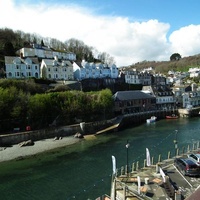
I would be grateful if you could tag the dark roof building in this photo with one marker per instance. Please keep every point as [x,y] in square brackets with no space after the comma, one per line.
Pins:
[133,101]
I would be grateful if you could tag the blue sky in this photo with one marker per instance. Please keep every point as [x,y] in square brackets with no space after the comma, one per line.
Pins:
[130,31]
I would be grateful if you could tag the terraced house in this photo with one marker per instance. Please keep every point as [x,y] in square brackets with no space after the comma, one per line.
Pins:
[40,62]
[17,67]
[57,69]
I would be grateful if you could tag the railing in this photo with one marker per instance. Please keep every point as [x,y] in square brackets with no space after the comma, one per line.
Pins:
[136,165]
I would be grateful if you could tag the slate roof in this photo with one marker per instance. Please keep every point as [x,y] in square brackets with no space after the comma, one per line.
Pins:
[10,59]
[130,95]
[59,63]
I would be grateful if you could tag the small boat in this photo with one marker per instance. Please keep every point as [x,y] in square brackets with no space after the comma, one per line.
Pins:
[173,116]
[151,120]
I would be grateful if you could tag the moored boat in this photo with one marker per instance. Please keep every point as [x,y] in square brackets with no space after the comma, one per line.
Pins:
[173,116]
[152,119]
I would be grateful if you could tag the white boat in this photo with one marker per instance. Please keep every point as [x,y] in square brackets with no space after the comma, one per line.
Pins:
[152,119]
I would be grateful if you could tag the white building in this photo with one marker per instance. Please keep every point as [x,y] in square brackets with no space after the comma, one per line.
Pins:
[86,70]
[17,67]
[194,72]
[46,52]
[135,77]
[56,69]
[191,98]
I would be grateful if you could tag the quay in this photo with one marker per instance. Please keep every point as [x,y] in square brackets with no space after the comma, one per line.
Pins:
[159,181]
[133,119]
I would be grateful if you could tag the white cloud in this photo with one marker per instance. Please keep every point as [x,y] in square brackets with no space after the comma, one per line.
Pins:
[127,41]
[186,41]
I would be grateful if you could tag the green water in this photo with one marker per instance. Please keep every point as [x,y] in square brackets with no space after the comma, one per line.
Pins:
[83,171]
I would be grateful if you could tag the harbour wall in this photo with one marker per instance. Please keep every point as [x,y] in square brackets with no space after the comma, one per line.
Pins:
[121,122]
[133,119]
[52,132]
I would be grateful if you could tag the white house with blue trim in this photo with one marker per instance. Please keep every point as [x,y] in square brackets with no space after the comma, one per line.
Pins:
[17,67]
[86,70]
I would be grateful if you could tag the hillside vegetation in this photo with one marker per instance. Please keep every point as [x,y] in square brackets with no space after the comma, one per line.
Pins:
[11,41]
[25,103]
[181,65]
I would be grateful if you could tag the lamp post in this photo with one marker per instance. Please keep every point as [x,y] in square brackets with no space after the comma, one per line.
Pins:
[127,146]
[175,142]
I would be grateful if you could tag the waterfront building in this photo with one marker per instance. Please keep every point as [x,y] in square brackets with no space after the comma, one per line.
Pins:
[133,101]
[18,67]
[165,98]
[188,95]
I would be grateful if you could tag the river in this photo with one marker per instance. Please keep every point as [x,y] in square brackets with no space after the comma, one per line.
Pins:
[83,171]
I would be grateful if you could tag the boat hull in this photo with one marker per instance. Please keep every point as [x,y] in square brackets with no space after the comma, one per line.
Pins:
[171,117]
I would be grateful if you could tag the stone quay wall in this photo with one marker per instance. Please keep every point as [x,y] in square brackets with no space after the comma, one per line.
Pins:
[52,132]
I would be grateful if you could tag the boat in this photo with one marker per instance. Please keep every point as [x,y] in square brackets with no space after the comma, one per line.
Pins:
[151,120]
[173,116]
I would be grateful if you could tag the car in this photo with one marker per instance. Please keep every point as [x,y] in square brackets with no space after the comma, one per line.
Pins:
[195,158]
[187,167]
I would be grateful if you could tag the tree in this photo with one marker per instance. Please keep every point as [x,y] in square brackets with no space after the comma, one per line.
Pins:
[106,58]
[9,49]
[81,50]
[42,43]
[175,56]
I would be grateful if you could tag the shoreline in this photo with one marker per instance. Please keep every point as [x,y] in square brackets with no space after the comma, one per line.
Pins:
[41,146]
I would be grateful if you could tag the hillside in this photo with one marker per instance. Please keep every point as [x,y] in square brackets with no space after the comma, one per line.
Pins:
[164,66]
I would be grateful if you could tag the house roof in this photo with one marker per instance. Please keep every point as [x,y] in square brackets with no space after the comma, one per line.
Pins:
[130,95]
[10,59]
[50,62]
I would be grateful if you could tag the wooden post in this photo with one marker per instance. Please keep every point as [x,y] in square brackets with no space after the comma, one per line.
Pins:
[159,158]
[152,161]
[145,163]
[188,149]
[168,157]
[126,169]
[137,166]
[177,152]
[133,167]
[122,170]
[197,144]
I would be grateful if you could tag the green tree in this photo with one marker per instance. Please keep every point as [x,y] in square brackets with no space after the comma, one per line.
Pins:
[175,56]
[9,49]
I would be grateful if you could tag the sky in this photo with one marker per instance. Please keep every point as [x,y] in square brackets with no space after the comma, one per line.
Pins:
[131,31]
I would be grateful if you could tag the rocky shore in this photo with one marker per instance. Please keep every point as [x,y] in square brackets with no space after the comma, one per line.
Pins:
[16,151]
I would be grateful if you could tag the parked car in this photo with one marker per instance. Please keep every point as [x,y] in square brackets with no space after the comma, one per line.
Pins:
[187,167]
[195,158]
